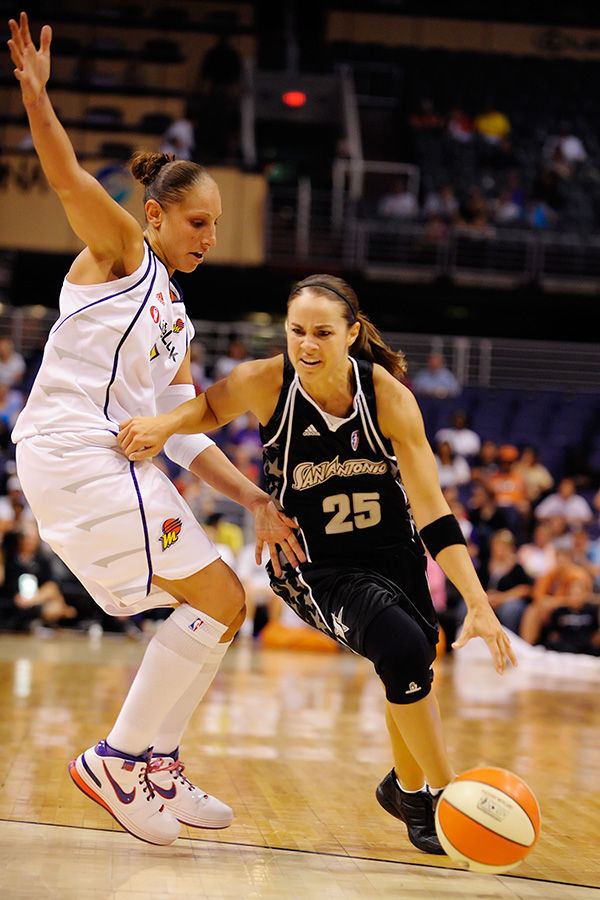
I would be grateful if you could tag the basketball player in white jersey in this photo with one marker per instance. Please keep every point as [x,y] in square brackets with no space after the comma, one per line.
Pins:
[120,347]
[345,453]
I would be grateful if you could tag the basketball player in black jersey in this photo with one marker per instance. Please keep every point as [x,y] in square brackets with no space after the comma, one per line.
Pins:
[345,454]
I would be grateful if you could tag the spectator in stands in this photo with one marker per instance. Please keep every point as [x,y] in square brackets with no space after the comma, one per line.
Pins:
[545,201]
[399,202]
[425,117]
[535,474]
[11,404]
[486,462]
[549,592]
[507,483]
[491,124]
[460,436]
[436,380]
[459,125]
[221,67]
[567,504]
[486,517]
[442,202]
[235,354]
[179,139]
[12,363]
[563,151]
[507,584]
[199,374]
[15,512]
[223,531]
[584,550]
[571,627]
[29,593]
[538,556]
[474,217]
[505,210]
[453,469]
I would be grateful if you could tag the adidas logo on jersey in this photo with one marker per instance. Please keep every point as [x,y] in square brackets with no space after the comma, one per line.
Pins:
[311,431]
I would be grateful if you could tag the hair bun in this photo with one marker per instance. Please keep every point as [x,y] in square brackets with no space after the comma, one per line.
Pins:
[145,165]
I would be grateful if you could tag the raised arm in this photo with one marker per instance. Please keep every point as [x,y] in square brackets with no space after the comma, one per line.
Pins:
[401,421]
[110,232]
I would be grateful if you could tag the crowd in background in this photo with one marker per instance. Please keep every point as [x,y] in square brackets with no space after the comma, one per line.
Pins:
[534,538]
[474,178]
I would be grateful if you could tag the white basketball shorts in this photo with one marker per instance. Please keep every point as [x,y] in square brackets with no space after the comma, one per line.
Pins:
[114,523]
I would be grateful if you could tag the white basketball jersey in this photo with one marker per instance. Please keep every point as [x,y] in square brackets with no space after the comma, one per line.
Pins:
[114,348]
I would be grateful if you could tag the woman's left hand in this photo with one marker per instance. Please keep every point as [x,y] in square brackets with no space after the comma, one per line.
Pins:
[481,621]
[274,528]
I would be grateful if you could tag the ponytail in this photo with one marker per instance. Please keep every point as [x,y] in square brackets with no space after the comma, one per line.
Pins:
[369,344]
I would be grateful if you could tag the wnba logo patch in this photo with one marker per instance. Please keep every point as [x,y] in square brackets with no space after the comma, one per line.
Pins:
[354,439]
[170,532]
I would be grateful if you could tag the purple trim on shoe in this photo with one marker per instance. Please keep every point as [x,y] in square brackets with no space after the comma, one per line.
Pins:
[89,771]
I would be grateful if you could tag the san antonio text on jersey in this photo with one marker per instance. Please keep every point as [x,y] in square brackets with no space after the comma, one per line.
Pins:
[338,478]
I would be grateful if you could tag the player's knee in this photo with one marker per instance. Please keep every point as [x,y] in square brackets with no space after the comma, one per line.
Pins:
[402,656]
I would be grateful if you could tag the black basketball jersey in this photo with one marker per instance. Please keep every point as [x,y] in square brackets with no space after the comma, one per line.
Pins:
[338,478]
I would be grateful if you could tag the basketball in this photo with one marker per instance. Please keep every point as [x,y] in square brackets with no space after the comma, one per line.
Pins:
[489,819]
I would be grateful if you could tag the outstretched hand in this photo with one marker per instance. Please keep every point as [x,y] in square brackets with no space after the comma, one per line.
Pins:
[481,621]
[32,66]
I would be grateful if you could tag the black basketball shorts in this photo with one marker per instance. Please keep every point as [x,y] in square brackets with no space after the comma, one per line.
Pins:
[390,621]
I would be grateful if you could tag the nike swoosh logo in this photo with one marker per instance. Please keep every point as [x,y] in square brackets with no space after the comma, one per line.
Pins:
[167,795]
[122,795]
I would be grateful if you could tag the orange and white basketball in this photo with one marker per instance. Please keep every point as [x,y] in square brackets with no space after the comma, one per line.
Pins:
[489,819]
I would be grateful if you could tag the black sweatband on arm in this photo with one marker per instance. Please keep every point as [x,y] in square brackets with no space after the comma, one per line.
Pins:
[443,532]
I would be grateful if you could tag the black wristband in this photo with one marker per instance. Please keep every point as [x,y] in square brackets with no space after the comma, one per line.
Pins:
[443,532]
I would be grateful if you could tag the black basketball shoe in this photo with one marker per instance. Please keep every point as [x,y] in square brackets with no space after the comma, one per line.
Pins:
[415,810]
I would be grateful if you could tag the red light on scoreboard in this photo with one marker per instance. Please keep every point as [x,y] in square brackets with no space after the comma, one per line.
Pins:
[294,98]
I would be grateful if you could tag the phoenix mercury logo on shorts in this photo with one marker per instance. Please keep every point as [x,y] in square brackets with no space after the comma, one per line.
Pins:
[310,474]
[170,532]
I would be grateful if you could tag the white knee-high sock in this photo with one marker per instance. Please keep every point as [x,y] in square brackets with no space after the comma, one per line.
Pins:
[168,737]
[174,658]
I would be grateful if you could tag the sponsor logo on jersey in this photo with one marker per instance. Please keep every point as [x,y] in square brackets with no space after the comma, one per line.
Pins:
[413,687]
[310,474]
[170,532]
[311,431]
[166,332]
[354,438]
[160,298]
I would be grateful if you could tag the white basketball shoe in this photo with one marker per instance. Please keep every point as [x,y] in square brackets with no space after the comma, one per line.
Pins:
[120,784]
[188,803]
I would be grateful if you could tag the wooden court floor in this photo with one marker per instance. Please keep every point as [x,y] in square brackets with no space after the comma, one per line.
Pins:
[295,742]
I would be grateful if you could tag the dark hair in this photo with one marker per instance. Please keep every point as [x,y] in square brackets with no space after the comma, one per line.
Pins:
[166,179]
[369,344]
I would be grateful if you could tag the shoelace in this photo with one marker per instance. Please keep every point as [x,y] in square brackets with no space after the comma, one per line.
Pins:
[158,764]
[145,782]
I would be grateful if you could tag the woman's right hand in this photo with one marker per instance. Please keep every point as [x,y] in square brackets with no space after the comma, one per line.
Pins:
[32,66]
